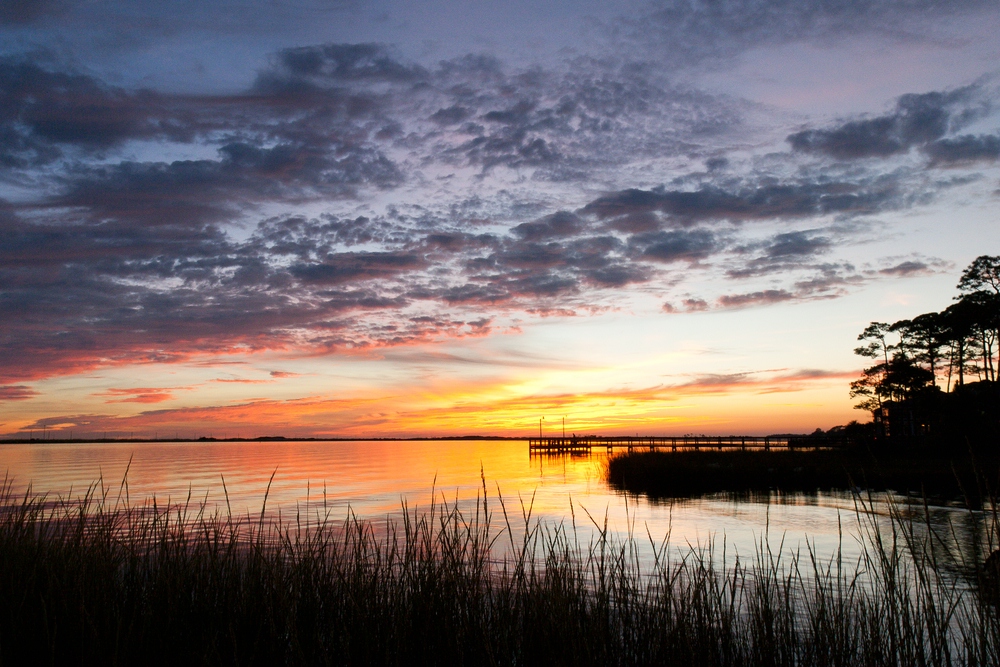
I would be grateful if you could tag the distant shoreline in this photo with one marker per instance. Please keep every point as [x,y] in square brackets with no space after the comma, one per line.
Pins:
[279,438]
[269,438]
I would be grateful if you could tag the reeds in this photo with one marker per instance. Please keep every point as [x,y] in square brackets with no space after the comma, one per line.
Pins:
[96,580]
[663,474]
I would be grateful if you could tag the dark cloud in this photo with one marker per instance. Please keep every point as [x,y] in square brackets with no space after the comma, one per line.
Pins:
[764,297]
[907,268]
[86,292]
[126,258]
[451,116]
[785,252]
[752,202]
[197,191]
[917,121]
[828,279]
[353,267]
[312,238]
[320,123]
[797,244]
[42,108]
[704,33]
[564,124]
[966,148]
[676,245]
[341,63]
[561,224]
[273,144]
[22,12]
[78,295]
[519,269]
[511,148]
[716,163]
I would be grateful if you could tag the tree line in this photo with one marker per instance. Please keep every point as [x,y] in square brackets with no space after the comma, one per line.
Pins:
[936,374]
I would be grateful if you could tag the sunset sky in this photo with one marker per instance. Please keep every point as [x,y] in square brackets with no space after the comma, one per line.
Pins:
[339,218]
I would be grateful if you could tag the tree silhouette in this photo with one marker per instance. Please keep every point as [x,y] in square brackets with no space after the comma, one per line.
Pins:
[959,345]
[982,274]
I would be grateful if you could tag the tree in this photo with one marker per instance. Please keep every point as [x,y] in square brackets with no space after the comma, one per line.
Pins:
[983,311]
[982,274]
[980,283]
[901,389]
[875,336]
[869,386]
[897,377]
[866,388]
[958,320]
[922,339]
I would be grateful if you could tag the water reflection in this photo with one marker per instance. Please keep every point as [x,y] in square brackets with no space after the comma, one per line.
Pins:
[374,479]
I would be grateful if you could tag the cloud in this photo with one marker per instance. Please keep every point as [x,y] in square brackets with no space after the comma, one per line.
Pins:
[963,149]
[765,297]
[678,245]
[335,63]
[16,392]
[138,395]
[919,120]
[797,244]
[351,199]
[240,381]
[695,304]
[761,382]
[771,201]
[194,192]
[908,268]
[44,108]
[782,253]
[451,116]
[705,33]
[23,12]
[352,267]
[688,305]
[557,225]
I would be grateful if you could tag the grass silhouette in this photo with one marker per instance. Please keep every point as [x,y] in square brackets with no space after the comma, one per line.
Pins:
[97,580]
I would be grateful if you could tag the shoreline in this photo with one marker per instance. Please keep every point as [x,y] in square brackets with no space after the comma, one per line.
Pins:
[265,438]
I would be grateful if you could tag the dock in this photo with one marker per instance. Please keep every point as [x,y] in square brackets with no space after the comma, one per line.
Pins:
[580,444]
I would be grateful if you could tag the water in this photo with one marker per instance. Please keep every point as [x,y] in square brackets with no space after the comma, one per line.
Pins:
[374,479]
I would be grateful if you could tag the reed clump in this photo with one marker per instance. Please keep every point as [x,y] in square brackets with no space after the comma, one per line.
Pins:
[662,474]
[95,580]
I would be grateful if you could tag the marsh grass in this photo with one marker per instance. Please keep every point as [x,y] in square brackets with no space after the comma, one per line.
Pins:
[663,474]
[98,580]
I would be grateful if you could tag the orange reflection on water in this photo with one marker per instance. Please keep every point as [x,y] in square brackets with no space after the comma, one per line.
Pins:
[374,479]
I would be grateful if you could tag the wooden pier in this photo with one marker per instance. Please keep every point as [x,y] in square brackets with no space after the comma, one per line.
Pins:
[587,443]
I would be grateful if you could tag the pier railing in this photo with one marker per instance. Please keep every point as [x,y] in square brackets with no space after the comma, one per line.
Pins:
[588,443]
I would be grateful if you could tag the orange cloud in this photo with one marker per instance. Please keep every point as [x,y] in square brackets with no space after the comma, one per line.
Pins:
[241,381]
[139,395]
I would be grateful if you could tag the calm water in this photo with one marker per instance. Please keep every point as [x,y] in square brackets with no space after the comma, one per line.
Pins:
[373,479]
